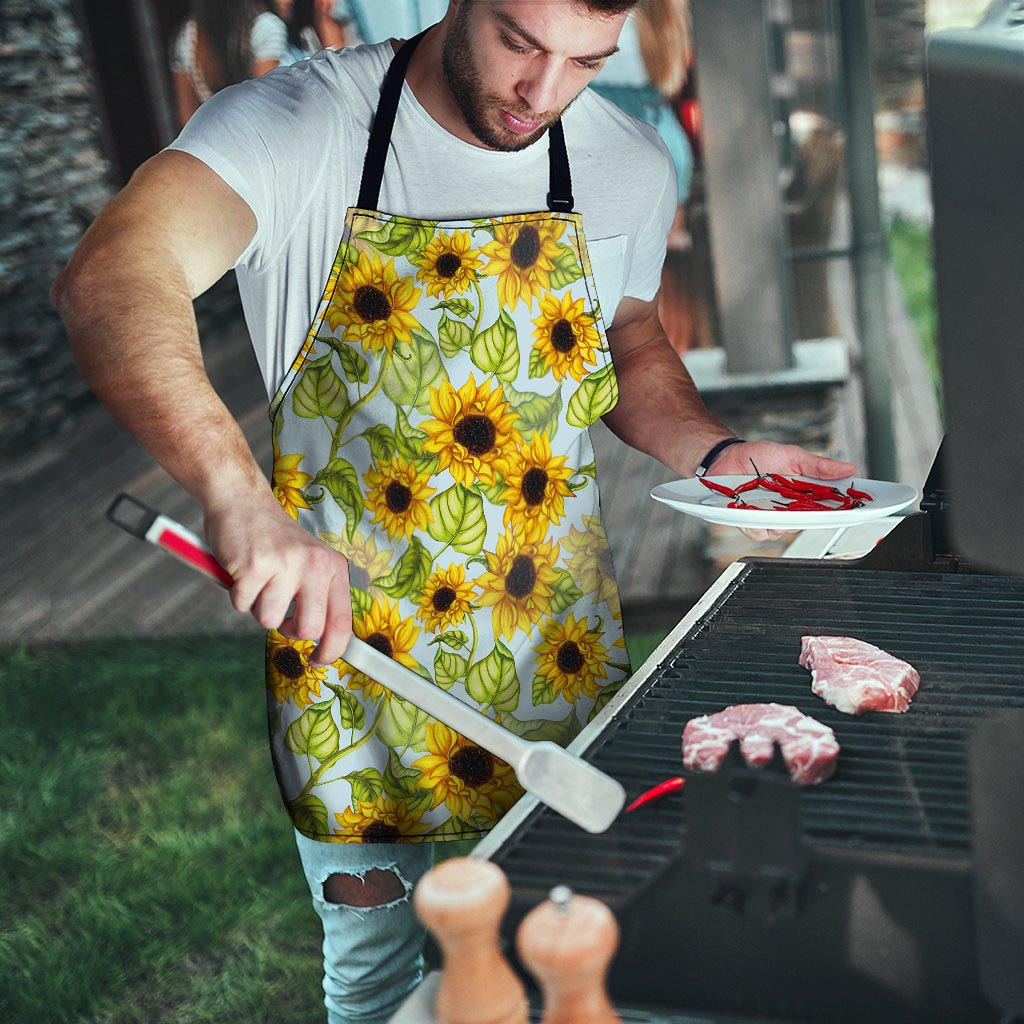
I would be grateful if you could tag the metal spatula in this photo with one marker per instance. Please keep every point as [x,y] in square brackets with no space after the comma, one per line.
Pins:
[568,785]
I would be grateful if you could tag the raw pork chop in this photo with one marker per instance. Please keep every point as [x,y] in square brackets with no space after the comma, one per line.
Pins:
[855,677]
[809,748]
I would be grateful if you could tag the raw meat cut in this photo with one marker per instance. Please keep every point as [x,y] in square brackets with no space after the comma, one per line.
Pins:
[809,748]
[855,677]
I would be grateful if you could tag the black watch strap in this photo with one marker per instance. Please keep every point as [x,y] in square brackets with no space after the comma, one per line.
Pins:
[705,463]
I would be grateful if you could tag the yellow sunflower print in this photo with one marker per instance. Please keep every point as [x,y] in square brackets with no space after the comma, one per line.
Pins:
[365,562]
[471,781]
[399,497]
[446,598]
[536,488]
[448,265]
[289,672]
[590,561]
[384,820]
[517,585]
[288,481]
[572,658]
[522,255]
[566,337]
[473,431]
[374,304]
[383,628]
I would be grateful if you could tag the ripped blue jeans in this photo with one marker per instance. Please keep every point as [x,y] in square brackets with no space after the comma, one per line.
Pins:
[373,944]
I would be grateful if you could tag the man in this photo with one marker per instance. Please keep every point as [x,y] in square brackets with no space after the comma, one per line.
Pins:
[432,377]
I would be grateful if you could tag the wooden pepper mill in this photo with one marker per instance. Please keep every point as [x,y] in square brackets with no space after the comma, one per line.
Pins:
[567,943]
[462,901]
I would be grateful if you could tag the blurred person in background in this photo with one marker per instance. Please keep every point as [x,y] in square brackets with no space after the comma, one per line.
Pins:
[647,74]
[223,42]
[314,25]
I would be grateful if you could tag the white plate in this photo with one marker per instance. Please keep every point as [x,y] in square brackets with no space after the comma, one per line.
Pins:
[693,498]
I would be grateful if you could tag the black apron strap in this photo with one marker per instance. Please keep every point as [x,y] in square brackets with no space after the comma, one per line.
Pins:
[383,123]
[560,184]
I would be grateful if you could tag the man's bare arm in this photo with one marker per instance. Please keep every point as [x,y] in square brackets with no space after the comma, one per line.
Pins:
[660,411]
[126,300]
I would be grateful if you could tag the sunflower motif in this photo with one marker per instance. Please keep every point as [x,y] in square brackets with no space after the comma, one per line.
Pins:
[288,481]
[383,628]
[445,600]
[473,431]
[572,658]
[384,820]
[365,562]
[518,582]
[590,561]
[374,304]
[288,669]
[471,781]
[536,488]
[398,495]
[565,336]
[522,255]
[448,265]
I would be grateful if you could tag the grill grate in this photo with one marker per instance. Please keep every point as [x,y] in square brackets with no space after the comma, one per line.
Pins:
[902,779]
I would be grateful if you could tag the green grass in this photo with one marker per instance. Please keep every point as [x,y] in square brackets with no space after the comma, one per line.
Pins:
[147,868]
[910,246]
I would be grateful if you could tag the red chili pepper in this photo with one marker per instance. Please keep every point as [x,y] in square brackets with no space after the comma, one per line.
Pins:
[749,485]
[807,505]
[656,792]
[808,487]
[720,488]
[863,495]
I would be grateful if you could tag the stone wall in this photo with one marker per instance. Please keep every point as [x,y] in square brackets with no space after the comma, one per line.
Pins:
[54,178]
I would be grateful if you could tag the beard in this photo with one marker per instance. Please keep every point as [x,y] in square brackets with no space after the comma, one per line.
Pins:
[476,106]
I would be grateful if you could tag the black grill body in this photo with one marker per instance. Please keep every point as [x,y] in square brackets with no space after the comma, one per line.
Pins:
[748,896]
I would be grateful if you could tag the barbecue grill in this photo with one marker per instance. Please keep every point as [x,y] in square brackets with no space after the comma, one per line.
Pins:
[893,892]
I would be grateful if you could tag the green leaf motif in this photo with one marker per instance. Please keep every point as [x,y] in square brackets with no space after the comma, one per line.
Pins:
[361,601]
[456,639]
[355,366]
[540,414]
[400,781]
[596,396]
[496,350]
[453,828]
[538,368]
[352,714]
[562,732]
[565,592]
[459,519]
[410,574]
[399,237]
[367,784]
[314,732]
[490,492]
[449,668]
[381,440]
[309,814]
[408,439]
[347,253]
[590,469]
[604,695]
[567,269]
[457,307]
[412,370]
[320,392]
[339,477]
[493,681]
[401,724]
[453,336]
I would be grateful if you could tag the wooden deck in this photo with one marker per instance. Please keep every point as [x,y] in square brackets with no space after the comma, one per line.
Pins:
[74,575]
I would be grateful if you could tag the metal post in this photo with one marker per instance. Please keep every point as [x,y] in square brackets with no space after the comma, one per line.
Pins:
[748,237]
[868,240]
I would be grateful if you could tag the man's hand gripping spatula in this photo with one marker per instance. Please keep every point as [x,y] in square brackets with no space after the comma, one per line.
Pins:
[575,789]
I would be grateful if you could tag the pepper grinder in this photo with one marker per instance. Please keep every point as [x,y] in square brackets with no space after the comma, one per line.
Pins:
[461,901]
[567,943]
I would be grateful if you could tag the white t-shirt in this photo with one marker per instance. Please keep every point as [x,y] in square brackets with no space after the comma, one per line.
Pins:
[292,144]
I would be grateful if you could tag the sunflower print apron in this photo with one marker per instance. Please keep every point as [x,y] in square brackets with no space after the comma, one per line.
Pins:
[434,430]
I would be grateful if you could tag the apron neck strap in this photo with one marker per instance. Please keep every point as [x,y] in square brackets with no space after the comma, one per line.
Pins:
[560,183]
